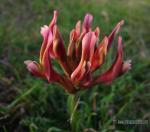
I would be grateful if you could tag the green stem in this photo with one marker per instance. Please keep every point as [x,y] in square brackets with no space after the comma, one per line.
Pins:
[73,102]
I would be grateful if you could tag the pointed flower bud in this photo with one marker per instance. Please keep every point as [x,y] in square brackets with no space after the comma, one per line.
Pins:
[87,23]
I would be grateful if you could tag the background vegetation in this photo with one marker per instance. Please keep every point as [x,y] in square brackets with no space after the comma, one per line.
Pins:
[28,104]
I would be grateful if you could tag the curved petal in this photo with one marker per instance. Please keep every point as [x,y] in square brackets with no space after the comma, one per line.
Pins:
[87,23]
[113,33]
[54,20]
[78,28]
[74,40]
[88,44]
[60,51]
[44,33]
[58,44]
[87,77]
[100,53]
[71,46]
[34,68]
[97,32]
[46,61]
[115,69]
[49,72]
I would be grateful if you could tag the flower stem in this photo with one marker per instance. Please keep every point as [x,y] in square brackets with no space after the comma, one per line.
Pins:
[73,102]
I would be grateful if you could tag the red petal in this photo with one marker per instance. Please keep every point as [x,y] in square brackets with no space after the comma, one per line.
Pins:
[115,69]
[49,72]
[82,72]
[71,46]
[49,44]
[58,44]
[34,68]
[97,32]
[87,23]
[44,33]
[100,53]
[87,77]
[114,32]
[88,44]
[54,20]
[60,52]
[78,28]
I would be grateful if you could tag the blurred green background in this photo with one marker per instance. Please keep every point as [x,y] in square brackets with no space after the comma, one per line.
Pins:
[28,104]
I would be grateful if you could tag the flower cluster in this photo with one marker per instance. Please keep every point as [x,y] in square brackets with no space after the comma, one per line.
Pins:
[83,56]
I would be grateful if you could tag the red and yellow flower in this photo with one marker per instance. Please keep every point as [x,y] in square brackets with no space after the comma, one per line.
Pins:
[83,56]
